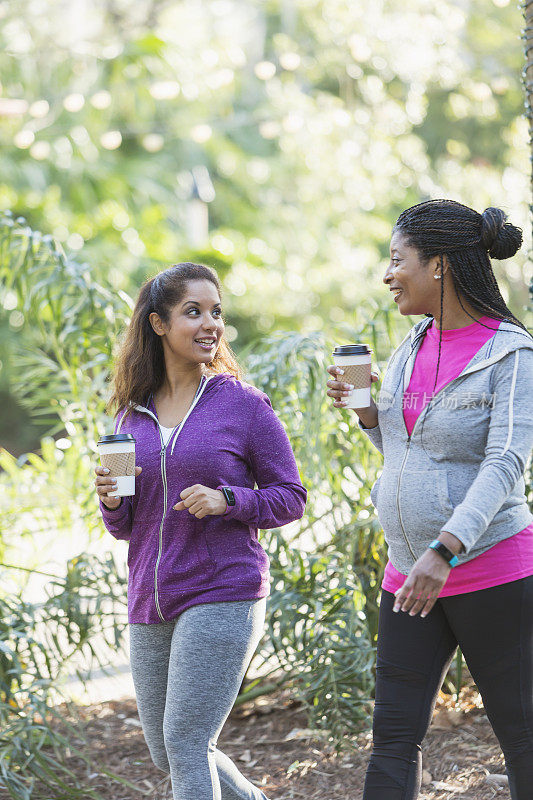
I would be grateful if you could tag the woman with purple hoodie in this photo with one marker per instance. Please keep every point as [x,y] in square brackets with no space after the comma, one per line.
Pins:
[198,577]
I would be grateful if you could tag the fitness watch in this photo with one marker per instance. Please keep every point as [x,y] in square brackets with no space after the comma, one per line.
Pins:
[445,552]
[228,495]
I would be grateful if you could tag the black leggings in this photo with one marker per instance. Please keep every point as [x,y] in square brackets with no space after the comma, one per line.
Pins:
[494,629]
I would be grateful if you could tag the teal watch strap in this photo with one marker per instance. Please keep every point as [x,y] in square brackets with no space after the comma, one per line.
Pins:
[443,551]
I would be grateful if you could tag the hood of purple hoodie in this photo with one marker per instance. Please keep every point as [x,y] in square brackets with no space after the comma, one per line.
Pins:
[229,437]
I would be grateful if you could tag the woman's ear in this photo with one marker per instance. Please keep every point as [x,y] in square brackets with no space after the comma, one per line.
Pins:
[435,266]
[156,323]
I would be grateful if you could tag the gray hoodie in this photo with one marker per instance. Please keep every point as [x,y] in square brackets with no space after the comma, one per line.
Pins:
[462,468]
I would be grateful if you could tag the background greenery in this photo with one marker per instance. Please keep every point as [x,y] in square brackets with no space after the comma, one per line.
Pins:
[276,141]
[306,125]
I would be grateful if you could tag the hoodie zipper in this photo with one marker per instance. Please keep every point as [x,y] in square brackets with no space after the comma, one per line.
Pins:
[407,542]
[409,437]
[163,456]
[474,368]
[163,460]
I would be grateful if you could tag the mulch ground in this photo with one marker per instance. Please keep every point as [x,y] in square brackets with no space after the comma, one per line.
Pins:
[271,744]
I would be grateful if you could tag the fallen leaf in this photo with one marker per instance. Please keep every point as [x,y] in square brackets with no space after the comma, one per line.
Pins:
[497,780]
[426,777]
[448,787]
[302,733]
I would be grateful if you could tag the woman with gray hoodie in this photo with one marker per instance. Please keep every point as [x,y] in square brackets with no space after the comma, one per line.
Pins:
[454,422]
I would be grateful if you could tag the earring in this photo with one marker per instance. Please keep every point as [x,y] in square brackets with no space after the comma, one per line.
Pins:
[436,277]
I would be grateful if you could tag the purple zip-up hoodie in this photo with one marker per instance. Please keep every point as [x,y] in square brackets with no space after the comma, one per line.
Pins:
[229,437]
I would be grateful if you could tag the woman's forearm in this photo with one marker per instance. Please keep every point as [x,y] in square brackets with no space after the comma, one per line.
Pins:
[368,416]
[452,542]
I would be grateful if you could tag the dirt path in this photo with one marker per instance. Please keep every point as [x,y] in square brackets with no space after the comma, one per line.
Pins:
[270,743]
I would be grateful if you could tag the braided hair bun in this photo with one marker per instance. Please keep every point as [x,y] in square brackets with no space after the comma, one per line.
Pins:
[500,238]
[438,228]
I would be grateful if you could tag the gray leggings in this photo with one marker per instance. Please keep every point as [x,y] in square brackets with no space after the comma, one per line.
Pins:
[187,674]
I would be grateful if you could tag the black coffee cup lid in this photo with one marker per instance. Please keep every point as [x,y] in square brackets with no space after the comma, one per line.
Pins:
[352,350]
[113,438]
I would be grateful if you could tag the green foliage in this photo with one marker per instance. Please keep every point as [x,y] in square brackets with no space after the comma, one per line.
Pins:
[326,570]
[318,631]
[37,644]
[47,493]
[337,463]
[46,635]
[73,322]
[317,123]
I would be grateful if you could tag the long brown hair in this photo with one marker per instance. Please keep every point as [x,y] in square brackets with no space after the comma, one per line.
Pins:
[140,364]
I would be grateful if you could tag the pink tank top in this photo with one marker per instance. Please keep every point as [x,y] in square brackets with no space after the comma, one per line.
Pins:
[510,559]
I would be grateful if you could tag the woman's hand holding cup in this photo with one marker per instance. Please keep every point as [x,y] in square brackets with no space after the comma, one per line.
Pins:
[340,391]
[104,484]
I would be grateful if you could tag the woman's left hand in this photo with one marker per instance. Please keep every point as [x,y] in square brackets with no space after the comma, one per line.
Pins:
[421,589]
[201,501]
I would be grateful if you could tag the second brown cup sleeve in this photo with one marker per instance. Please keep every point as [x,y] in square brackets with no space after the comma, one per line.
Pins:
[358,375]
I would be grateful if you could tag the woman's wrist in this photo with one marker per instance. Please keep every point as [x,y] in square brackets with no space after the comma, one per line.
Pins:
[223,507]
[452,542]
[368,416]
[112,507]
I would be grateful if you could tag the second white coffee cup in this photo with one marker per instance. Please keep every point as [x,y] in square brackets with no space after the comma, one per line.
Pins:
[355,360]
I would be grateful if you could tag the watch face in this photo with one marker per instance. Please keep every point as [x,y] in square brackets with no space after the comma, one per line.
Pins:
[228,494]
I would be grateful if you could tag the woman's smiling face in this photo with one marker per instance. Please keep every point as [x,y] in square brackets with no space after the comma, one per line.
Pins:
[412,282]
[195,326]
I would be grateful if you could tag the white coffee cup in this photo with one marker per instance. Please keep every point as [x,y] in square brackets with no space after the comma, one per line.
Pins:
[117,453]
[355,360]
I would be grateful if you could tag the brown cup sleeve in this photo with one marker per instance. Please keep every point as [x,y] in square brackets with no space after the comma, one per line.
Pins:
[118,464]
[358,375]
